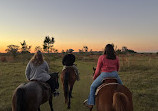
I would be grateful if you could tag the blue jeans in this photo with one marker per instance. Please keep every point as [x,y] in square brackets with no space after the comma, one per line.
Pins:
[98,81]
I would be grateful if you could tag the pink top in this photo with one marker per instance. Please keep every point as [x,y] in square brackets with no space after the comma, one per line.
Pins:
[106,65]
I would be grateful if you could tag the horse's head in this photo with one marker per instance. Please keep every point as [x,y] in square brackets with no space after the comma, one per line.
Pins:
[54,78]
[94,70]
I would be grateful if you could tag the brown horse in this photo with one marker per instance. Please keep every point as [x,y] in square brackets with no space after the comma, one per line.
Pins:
[113,97]
[68,78]
[29,96]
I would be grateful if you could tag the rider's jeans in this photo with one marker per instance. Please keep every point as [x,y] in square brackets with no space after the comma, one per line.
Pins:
[98,81]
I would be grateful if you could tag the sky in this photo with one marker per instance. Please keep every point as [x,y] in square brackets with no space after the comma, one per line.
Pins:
[78,23]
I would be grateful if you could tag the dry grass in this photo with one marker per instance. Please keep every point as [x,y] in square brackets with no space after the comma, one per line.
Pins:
[138,72]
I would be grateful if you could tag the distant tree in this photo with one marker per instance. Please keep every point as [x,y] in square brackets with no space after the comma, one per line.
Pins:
[124,49]
[55,50]
[25,48]
[80,50]
[91,51]
[38,48]
[63,52]
[48,43]
[66,50]
[51,50]
[85,48]
[12,49]
[131,51]
[118,51]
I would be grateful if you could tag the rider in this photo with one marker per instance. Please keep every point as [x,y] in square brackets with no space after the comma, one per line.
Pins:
[68,60]
[37,69]
[108,65]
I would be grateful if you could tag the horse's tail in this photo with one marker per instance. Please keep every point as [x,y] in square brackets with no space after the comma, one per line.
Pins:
[66,87]
[20,100]
[120,102]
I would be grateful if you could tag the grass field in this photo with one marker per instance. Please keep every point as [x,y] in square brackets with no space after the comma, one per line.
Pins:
[138,72]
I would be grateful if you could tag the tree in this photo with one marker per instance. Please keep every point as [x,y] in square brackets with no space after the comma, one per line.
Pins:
[67,50]
[63,52]
[48,43]
[124,49]
[80,51]
[131,51]
[25,48]
[85,48]
[118,51]
[55,50]
[91,51]
[38,48]
[12,49]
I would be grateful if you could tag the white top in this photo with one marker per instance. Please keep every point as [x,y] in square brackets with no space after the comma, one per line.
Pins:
[37,72]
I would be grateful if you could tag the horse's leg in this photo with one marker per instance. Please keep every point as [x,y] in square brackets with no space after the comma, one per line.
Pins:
[50,102]
[65,95]
[69,100]
[70,96]
[71,91]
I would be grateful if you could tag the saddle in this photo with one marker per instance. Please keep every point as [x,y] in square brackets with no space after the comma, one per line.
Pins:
[105,82]
[43,85]
[64,67]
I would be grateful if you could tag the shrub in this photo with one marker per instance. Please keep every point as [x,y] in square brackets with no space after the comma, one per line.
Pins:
[3,59]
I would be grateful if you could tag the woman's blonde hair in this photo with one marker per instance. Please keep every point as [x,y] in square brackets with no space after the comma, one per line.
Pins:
[37,59]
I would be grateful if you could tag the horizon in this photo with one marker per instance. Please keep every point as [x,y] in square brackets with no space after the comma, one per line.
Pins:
[75,24]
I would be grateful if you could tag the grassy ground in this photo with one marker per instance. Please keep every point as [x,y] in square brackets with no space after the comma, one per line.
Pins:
[138,73]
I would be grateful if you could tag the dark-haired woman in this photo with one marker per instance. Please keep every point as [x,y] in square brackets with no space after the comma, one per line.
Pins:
[108,66]
[37,69]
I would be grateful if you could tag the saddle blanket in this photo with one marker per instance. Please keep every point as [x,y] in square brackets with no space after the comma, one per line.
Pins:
[64,67]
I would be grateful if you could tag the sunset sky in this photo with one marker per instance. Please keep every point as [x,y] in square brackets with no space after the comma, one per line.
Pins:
[76,23]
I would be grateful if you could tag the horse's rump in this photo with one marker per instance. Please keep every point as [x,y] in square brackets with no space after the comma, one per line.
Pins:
[29,96]
[68,78]
[70,69]
[69,74]
[107,96]
[121,102]
[19,99]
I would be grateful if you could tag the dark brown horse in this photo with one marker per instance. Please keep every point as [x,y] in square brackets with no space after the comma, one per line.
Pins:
[113,97]
[68,78]
[29,96]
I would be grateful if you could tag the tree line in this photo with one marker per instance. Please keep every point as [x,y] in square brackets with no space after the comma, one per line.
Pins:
[48,46]
[25,49]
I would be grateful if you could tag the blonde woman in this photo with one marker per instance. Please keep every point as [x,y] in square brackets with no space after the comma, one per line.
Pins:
[37,69]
